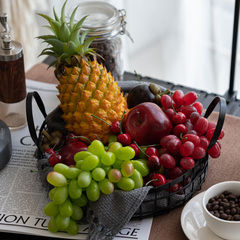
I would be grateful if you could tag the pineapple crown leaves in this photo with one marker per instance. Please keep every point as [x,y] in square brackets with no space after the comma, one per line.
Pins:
[67,39]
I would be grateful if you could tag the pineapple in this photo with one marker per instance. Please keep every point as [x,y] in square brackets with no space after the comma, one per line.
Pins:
[86,90]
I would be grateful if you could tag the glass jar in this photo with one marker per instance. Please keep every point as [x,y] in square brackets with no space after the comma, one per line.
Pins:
[108,24]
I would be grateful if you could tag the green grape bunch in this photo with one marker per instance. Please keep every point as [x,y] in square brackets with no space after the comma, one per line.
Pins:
[96,172]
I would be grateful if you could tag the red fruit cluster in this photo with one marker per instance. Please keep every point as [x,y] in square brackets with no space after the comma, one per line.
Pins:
[188,142]
[67,152]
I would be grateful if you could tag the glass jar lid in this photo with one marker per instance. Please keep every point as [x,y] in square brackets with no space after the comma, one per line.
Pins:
[103,18]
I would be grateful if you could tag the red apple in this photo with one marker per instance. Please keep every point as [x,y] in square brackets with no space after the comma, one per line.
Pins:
[146,123]
[69,150]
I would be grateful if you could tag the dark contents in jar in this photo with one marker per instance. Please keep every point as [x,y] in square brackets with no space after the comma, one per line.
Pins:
[110,52]
[225,206]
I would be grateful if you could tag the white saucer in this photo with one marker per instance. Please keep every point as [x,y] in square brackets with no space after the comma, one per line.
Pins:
[193,222]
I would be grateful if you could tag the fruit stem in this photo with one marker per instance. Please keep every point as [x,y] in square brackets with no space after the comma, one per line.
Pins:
[153,145]
[166,92]
[139,79]
[138,118]
[141,149]
[47,135]
[181,136]
[97,137]
[101,120]
[121,122]
[172,104]
[56,144]
[79,137]
[152,180]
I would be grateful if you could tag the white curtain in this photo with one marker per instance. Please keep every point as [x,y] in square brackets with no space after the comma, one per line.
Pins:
[22,19]
[186,42]
[207,36]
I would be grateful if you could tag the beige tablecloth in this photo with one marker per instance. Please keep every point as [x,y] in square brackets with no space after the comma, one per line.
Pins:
[224,168]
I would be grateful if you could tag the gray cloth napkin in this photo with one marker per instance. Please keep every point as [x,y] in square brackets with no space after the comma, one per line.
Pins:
[109,214]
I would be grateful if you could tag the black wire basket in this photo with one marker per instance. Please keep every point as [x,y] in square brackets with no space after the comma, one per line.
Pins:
[159,199]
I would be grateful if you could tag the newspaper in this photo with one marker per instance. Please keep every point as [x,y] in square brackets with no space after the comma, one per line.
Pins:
[22,196]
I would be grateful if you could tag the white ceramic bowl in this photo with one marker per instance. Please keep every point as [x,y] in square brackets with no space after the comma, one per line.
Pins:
[225,229]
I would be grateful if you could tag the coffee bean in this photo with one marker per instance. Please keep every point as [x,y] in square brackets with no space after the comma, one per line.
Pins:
[226,193]
[221,196]
[233,211]
[215,203]
[211,200]
[236,217]
[215,207]
[110,55]
[228,211]
[231,197]
[224,216]
[222,203]
[225,206]
[209,206]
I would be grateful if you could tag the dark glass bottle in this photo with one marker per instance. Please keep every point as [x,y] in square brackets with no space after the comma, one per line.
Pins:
[12,83]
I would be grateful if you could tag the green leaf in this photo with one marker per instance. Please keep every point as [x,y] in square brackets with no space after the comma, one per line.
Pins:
[87,43]
[79,23]
[53,63]
[45,37]
[72,46]
[55,15]
[75,35]
[69,48]
[54,24]
[48,54]
[50,48]
[71,22]
[64,56]
[49,19]
[63,19]
[56,27]
[56,44]
[79,49]
[90,51]
[83,36]
[64,33]
[47,49]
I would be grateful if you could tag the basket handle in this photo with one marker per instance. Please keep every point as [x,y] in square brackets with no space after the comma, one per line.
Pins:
[221,117]
[29,110]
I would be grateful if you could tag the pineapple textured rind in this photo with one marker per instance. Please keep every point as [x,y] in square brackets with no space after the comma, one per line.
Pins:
[86,91]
